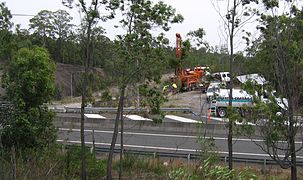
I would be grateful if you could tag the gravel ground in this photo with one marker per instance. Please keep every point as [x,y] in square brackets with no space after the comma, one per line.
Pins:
[193,99]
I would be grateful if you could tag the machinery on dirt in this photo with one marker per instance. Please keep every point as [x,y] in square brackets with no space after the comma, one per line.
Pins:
[190,79]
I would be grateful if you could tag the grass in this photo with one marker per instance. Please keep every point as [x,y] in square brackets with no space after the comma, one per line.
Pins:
[57,163]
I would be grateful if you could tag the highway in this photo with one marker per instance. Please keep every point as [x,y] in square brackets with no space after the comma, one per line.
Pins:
[160,142]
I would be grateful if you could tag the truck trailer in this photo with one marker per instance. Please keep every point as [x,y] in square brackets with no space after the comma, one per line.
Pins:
[220,103]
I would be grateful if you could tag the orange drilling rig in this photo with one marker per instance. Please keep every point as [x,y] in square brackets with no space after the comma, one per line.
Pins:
[190,79]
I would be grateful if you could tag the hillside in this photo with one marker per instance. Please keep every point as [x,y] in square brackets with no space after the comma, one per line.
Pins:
[67,76]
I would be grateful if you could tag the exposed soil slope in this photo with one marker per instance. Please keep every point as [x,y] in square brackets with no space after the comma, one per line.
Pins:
[67,75]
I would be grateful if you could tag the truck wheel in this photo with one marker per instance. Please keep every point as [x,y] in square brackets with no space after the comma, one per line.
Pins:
[222,112]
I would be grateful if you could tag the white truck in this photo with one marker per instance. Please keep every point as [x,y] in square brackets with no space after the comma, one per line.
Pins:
[240,99]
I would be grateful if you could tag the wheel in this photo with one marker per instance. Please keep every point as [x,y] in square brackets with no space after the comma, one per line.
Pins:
[222,112]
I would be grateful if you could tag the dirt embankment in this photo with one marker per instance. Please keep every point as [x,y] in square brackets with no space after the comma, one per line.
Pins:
[192,99]
[68,75]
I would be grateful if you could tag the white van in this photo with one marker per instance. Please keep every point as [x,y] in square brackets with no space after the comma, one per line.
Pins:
[222,76]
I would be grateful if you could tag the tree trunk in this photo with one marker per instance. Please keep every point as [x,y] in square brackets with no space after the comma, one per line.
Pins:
[14,162]
[230,123]
[115,135]
[84,93]
[293,168]
[83,163]
[121,145]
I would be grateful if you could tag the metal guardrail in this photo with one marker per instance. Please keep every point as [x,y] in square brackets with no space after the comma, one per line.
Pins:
[191,156]
[110,109]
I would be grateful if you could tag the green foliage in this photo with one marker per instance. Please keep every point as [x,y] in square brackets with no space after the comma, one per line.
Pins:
[33,129]
[5,33]
[210,171]
[133,164]
[281,46]
[52,162]
[94,83]
[221,172]
[6,16]
[30,78]
[29,83]
[197,36]
[106,96]
[51,29]
[72,162]
[153,98]
[233,114]
[140,54]
[181,173]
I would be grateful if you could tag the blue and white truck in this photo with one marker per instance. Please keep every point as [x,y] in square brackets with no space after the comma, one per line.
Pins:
[240,99]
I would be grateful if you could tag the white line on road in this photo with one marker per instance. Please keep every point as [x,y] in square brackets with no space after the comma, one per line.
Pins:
[171,149]
[167,135]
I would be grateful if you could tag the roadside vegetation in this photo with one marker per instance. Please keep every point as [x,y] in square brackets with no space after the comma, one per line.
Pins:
[56,162]
[132,65]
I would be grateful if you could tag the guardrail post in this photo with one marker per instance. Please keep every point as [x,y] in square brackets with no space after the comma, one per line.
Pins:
[155,155]
[225,159]
[188,158]
[264,166]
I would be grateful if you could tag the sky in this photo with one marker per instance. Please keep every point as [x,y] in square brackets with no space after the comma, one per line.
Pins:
[196,13]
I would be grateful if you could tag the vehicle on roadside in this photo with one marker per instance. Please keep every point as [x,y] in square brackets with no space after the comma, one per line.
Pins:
[240,99]
[211,92]
[224,77]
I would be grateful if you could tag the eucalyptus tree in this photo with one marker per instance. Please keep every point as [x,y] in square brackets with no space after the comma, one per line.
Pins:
[238,14]
[197,36]
[62,30]
[140,53]
[5,33]
[92,15]
[54,26]
[279,51]
[42,26]
[6,16]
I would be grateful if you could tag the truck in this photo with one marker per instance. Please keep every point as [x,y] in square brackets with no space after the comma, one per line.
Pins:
[240,100]
[219,104]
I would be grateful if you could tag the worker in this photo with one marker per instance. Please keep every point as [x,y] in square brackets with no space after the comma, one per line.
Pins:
[165,88]
[175,88]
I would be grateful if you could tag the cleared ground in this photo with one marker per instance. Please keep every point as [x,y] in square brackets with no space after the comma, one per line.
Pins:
[192,99]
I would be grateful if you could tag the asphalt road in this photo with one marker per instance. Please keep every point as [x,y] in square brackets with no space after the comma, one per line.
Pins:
[157,142]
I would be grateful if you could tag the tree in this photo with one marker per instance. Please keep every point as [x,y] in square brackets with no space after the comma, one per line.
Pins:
[5,34]
[140,53]
[198,37]
[29,82]
[90,19]
[6,16]
[280,48]
[62,29]
[55,26]
[42,26]
[234,20]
